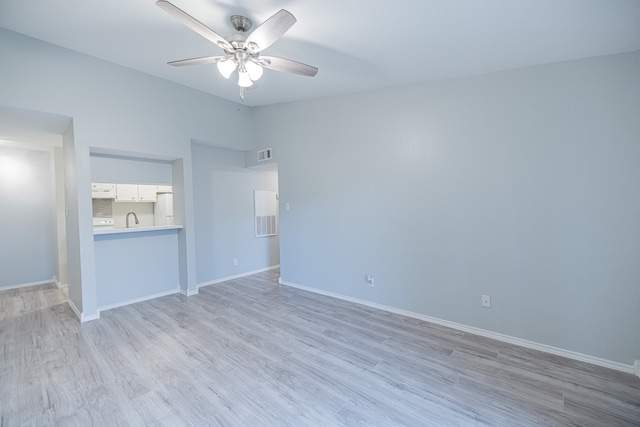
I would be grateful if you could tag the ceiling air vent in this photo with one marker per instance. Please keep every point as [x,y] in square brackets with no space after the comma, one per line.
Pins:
[265,154]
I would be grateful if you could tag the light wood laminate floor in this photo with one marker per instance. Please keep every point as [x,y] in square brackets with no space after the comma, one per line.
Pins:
[251,353]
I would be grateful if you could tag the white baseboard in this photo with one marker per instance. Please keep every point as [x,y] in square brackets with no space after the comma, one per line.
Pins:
[89,317]
[188,293]
[26,285]
[136,300]
[74,309]
[81,316]
[482,332]
[237,276]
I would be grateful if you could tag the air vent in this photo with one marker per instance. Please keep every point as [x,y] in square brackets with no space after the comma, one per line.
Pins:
[265,154]
[266,225]
[266,211]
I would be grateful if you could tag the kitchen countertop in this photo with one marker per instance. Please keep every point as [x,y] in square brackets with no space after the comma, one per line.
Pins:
[101,231]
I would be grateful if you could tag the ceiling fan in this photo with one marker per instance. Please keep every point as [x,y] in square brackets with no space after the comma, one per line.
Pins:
[242,50]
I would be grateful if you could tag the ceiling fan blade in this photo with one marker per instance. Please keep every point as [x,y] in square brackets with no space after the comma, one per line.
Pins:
[197,61]
[287,66]
[194,24]
[270,31]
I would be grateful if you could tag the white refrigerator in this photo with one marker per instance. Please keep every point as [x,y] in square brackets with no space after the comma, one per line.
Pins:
[164,209]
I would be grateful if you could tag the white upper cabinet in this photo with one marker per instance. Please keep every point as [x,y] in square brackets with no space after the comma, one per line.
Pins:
[135,193]
[126,193]
[147,193]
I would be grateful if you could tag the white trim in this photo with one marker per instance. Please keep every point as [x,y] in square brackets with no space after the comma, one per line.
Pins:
[237,276]
[136,300]
[482,332]
[26,285]
[58,284]
[89,317]
[188,293]
[74,309]
[82,317]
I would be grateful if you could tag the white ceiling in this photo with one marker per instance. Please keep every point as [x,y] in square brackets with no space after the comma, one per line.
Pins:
[357,45]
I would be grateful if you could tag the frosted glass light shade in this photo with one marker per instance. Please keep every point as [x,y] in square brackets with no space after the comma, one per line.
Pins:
[244,80]
[255,71]
[226,67]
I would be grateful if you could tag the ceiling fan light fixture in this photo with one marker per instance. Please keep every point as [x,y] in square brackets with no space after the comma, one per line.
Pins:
[244,80]
[242,50]
[226,67]
[255,71]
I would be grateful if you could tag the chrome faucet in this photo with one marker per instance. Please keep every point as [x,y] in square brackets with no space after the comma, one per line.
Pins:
[134,217]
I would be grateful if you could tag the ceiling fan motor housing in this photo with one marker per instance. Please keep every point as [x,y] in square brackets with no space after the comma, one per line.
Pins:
[241,23]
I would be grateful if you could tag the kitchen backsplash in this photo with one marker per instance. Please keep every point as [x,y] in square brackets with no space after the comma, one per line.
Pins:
[144,212]
[107,208]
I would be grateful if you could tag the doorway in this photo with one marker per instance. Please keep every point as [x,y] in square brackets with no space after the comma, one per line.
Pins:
[33,249]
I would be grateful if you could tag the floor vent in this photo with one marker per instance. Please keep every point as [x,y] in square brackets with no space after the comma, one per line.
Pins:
[265,154]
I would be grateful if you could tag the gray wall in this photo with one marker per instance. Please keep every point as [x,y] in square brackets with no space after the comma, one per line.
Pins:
[124,170]
[114,109]
[61,231]
[522,185]
[153,270]
[224,212]
[72,223]
[29,243]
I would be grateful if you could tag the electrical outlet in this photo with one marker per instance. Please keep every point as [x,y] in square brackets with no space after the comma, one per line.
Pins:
[370,280]
[486,300]
[235,261]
